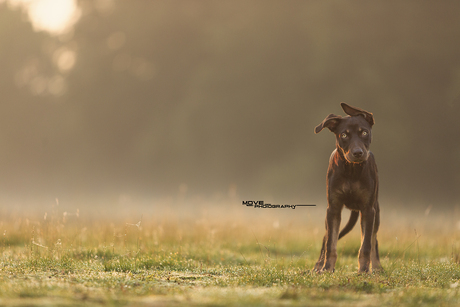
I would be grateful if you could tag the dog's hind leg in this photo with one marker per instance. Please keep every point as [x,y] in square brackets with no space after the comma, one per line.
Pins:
[375,259]
[319,264]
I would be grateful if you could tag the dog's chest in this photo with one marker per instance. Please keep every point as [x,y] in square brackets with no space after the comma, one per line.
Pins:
[353,194]
[350,187]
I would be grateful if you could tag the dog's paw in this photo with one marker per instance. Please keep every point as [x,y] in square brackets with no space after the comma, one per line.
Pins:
[318,266]
[324,270]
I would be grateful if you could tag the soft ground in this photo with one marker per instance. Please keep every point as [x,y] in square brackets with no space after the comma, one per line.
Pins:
[220,255]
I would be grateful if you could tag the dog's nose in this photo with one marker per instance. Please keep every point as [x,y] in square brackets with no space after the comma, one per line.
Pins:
[357,153]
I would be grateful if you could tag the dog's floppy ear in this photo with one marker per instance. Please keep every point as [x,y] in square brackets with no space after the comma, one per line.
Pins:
[331,122]
[353,111]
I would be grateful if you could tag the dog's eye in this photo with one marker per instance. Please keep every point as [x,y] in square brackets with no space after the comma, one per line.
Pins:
[343,135]
[364,133]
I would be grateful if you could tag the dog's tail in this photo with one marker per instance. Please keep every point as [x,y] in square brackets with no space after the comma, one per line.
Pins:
[351,223]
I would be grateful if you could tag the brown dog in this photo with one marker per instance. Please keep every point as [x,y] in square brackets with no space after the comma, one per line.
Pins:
[352,181]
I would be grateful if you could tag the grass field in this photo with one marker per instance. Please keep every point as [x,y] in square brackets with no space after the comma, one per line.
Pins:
[243,257]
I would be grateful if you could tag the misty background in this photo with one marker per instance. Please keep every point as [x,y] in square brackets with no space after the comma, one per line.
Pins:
[217,100]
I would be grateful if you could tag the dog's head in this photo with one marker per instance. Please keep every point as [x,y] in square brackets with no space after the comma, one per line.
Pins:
[352,133]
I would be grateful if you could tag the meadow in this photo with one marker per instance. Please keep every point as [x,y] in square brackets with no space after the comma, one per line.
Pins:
[220,256]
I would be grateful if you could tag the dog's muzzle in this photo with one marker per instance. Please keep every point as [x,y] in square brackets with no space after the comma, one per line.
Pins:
[357,155]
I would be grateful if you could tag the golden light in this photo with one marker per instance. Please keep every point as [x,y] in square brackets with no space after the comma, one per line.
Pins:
[54,16]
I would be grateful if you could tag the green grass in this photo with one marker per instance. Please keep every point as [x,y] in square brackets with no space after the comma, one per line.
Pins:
[218,261]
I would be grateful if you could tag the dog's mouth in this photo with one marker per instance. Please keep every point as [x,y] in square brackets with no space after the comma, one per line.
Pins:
[357,156]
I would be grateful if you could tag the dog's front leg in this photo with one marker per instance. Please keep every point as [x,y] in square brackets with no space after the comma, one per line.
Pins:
[333,217]
[375,259]
[367,228]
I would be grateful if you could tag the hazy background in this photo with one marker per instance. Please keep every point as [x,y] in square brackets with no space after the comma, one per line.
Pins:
[217,100]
